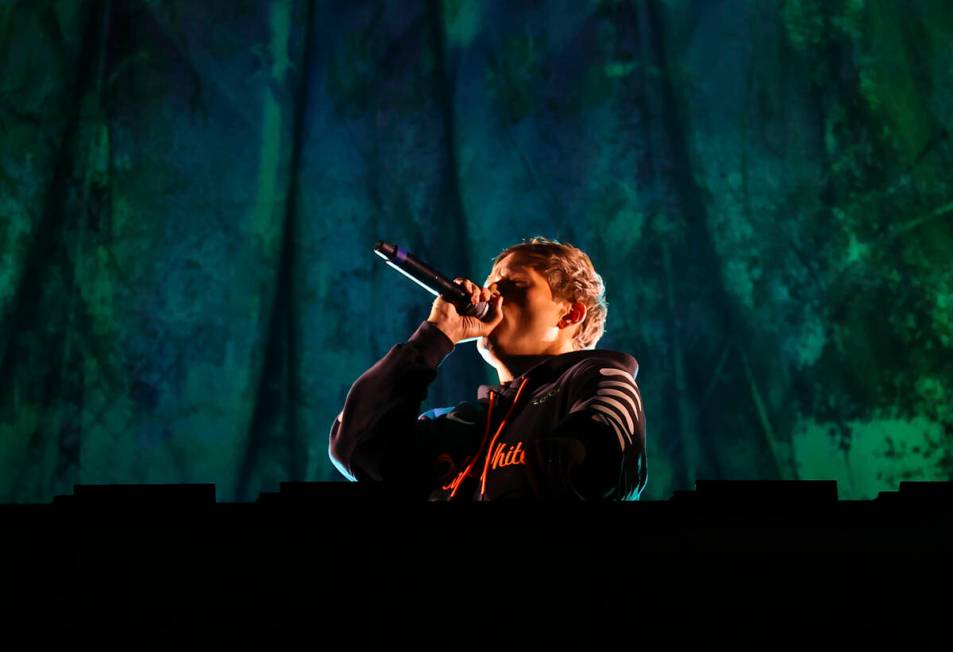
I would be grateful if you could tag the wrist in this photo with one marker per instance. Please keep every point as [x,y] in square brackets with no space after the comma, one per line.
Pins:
[443,328]
[431,343]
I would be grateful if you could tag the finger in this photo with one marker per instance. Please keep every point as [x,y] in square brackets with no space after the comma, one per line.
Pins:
[476,292]
[466,285]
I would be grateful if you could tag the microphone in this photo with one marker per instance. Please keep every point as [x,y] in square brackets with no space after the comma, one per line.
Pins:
[429,279]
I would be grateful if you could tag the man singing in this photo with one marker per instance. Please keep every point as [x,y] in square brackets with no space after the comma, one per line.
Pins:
[565,421]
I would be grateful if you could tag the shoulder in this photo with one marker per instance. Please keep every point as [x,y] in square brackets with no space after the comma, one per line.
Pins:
[601,364]
[605,387]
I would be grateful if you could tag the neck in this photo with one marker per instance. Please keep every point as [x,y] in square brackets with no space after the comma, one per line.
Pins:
[515,365]
[510,366]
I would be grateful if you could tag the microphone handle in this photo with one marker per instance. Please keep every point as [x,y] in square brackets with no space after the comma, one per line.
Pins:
[431,280]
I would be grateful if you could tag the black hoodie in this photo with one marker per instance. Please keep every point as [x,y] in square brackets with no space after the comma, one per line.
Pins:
[571,427]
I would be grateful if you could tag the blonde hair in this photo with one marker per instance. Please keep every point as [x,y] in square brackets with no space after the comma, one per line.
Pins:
[571,277]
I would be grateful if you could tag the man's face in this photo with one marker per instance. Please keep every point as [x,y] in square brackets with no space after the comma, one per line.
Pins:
[530,313]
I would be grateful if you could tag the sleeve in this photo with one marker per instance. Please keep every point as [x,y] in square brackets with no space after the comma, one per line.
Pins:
[597,452]
[378,436]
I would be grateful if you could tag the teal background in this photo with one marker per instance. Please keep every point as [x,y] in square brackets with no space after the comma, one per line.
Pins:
[190,192]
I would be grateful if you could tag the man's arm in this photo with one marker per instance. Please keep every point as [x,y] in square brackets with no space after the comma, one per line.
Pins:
[377,436]
[597,452]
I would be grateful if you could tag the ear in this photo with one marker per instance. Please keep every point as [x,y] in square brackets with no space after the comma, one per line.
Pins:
[576,313]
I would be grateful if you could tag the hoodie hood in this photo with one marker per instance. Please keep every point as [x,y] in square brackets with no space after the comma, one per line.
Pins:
[551,367]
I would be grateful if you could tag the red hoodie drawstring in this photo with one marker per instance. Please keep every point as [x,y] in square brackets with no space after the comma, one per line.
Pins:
[457,481]
[455,485]
[486,464]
